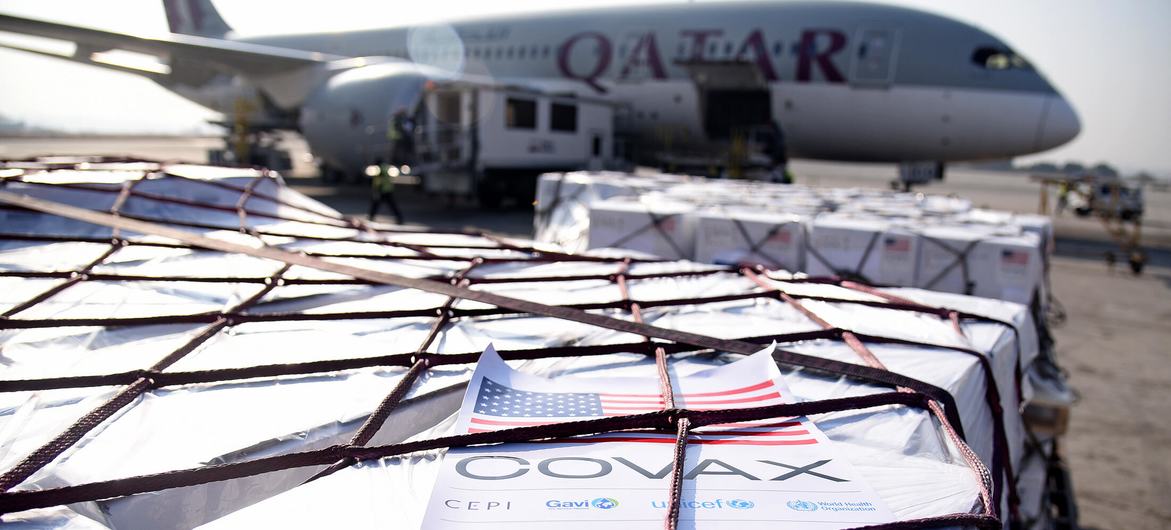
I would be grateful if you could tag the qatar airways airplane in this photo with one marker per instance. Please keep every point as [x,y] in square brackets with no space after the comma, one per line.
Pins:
[846,81]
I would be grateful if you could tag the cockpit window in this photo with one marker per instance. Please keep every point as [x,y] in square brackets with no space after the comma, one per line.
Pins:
[992,58]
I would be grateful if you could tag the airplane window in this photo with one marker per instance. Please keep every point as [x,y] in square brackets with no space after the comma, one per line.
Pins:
[991,58]
[520,113]
[711,50]
[778,48]
[545,52]
[509,52]
[534,51]
[728,48]
[563,117]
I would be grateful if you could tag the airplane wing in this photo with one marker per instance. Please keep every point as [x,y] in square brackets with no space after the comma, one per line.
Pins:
[232,56]
[155,73]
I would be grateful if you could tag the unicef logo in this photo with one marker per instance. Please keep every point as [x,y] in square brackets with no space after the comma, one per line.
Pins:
[801,506]
[741,504]
[604,503]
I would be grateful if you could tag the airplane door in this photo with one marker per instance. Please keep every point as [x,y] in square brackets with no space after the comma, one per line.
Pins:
[874,57]
[733,97]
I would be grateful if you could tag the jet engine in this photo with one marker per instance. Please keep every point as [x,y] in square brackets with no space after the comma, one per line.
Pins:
[345,120]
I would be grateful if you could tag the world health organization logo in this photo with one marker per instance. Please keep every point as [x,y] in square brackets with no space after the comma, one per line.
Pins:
[604,503]
[801,506]
[741,504]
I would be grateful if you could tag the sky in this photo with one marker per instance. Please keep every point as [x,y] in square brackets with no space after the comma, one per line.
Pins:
[1112,60]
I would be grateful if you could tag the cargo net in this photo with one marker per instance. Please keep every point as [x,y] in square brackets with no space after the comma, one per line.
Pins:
[153,329]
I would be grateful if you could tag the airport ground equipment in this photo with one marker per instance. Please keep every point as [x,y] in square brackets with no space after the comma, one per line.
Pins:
[185,342]
[253,139]
[492,141]
[254,148]
[1118,204]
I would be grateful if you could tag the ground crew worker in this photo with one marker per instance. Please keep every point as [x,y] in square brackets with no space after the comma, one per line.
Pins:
[1062,196]
[779,155]
[401,135]
[382,189]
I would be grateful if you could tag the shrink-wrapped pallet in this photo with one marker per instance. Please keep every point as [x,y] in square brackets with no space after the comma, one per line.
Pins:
[263,361]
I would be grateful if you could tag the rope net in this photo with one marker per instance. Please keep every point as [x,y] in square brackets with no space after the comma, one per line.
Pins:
[202,285]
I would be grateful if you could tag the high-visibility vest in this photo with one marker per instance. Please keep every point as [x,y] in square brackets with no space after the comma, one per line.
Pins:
[394,132]
[383,183]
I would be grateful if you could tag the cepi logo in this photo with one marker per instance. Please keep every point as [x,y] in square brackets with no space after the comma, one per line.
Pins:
[801,506]
[604,503]
[741,504]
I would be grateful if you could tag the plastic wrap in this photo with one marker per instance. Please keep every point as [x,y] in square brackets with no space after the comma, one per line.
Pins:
[881,237]
[311,316]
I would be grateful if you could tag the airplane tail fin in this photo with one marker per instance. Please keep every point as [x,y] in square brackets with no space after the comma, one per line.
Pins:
[195,17]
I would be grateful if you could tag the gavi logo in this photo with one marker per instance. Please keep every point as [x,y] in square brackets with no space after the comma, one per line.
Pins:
[600,503]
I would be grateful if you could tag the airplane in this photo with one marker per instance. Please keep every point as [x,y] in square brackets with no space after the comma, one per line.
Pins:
[845,81]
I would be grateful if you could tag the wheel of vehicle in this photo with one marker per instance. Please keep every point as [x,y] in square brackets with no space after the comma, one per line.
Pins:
[1137,261]
[329,175]
[489,196]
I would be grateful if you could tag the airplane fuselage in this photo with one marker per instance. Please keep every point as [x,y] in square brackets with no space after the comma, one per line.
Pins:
[845,81]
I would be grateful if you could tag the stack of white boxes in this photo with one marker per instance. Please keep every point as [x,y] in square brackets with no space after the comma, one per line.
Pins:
[661,227]
[873,249]
[883,237]
[1002,264]
[747,235]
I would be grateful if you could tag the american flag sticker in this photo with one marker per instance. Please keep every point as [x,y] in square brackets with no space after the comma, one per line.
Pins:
[782,236]
[1014,257]
[504,400]
[896,244]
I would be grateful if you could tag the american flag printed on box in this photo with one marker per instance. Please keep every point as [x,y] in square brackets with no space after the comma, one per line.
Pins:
[1014,257]
[499,406]
[897,244]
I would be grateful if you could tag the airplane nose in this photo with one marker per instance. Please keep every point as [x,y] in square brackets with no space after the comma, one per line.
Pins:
[1059,124]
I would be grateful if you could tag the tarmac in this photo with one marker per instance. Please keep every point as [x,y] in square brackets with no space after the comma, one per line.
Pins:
[1114,341]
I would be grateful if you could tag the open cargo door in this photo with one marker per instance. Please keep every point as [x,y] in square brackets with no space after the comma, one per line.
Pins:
[733,96]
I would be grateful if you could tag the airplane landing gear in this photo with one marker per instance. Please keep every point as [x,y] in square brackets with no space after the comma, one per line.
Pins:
[915,173]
